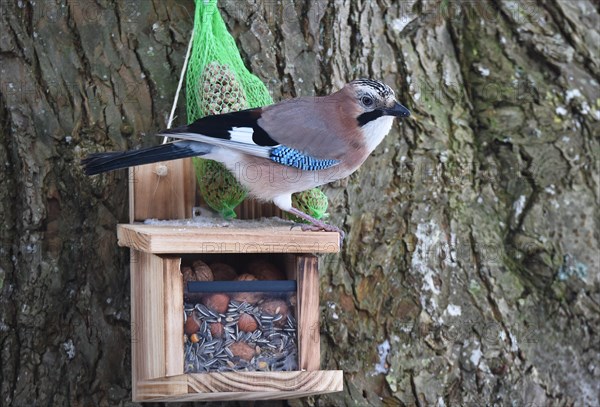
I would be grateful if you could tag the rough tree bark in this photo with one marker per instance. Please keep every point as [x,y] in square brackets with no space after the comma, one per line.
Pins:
[470,275]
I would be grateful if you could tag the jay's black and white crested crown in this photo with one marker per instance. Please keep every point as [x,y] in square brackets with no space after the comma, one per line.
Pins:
[384,90]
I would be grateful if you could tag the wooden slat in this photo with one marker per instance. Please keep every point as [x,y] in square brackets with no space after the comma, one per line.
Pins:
[131,191]
[189,186]
[240,386]
[146,283]
[309,339]
[208,239]
[173,309]
[156,319]
[164,190]
[137,318]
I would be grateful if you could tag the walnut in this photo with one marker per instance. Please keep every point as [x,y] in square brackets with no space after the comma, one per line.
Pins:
[246,277]
[188,274]
[202,271]
[263,270]
[198,272]
[223,272]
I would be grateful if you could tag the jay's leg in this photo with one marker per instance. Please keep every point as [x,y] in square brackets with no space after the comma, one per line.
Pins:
[284,202]
[315,223]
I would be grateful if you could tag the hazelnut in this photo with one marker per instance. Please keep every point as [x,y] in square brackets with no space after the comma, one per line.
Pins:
[247,323]
[217,302]
[192,324]
[263,270]
[223,272]
[202,271]
[242,350]
[276,307]
[216,329]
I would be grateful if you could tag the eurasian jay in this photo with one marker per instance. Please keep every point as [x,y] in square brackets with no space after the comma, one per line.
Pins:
[288,147]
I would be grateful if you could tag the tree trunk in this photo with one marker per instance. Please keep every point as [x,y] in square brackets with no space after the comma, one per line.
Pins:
[470,274]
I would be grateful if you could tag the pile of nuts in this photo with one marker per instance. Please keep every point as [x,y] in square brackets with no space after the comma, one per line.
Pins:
[239,331]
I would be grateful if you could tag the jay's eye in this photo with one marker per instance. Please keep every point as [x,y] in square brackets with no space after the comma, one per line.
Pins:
[367,101]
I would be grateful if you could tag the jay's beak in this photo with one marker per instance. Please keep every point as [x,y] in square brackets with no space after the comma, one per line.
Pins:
[398,110]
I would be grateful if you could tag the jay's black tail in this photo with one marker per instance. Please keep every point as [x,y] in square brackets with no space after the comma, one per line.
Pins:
[103,162]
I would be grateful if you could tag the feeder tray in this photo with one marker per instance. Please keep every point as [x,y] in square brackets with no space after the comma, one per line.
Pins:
[158,290]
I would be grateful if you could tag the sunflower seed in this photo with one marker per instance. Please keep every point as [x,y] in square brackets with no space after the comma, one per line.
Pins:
[210,362]
[275,347]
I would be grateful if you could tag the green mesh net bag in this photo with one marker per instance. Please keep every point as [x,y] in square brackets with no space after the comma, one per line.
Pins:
[216,79]
[312,202]
[218,82]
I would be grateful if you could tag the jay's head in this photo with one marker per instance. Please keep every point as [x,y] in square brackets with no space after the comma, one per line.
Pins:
[375,100]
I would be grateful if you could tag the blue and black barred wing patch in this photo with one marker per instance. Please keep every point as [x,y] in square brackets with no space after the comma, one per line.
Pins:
[294,158]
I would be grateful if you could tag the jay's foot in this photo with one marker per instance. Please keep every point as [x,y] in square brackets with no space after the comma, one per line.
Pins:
[325,227]
[317,225]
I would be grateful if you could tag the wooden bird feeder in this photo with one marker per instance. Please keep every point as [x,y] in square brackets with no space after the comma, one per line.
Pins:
[157,292]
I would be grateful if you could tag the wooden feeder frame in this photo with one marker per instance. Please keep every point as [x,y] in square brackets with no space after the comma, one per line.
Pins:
[167,191]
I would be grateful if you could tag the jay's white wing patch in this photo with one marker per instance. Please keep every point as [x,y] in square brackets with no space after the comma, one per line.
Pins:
[242,135]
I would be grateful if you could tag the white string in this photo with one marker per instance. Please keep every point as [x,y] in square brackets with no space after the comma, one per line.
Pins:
[181,76]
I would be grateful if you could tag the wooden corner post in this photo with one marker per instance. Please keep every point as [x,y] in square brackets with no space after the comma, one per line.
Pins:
[309,339]
[165,190]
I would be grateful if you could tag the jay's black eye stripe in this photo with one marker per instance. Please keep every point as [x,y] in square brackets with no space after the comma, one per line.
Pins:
[368,117]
